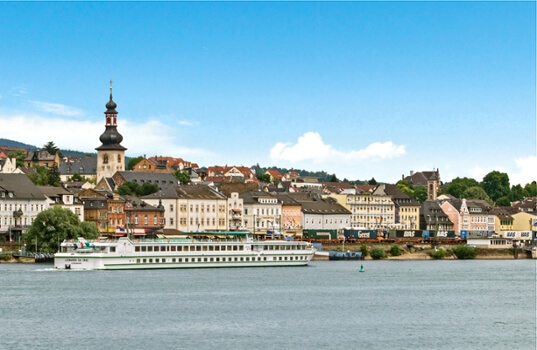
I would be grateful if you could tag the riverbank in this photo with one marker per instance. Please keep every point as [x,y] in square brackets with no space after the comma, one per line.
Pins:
[421,252]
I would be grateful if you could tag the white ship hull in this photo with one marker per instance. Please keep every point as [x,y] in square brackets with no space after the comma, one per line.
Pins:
[237,251]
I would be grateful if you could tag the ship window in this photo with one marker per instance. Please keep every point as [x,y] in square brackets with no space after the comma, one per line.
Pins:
[242,259]
[217,248]
[144,248]
[156,260]
[137,261]
[150,260]
[211,248]
[198,248]
[137,249]
[172,248]
[205,259]
[144,260]
[112,249]
[149,248]
[204,248]
[217,259]
[180,248]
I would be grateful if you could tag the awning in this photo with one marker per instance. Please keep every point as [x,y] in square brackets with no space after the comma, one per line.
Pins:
[119,234]
[139,233]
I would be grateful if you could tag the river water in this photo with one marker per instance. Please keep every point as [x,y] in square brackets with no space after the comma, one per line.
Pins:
[481,304]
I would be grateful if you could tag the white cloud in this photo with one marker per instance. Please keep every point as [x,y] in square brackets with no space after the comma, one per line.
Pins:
[310,147]
[186,123]
[525,172]
[150,138]
[57,108]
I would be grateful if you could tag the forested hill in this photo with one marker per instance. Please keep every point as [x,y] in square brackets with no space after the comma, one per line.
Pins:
[17,144]
[11,143]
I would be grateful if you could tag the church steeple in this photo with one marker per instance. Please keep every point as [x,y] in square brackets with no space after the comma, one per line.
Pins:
[111,138]
[110,155]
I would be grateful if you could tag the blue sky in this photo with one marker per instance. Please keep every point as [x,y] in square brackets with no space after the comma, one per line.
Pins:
[359,89]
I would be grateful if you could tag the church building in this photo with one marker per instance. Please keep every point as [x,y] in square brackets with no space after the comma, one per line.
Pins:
[110,155]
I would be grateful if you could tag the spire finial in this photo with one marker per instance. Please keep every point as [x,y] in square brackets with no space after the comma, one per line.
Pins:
[111,80]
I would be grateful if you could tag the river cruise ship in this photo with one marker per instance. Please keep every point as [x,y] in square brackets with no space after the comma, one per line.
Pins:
[191,250]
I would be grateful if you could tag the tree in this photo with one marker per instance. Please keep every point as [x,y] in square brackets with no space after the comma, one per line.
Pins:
[503,202]
[530,190]
[476,192]
[133,162]
[334,178]
[133,189]
[496,184]
[457,186]
[19,155]
[40,178]
[77,177]
[372,181]
[54,176]
[45,176]
[51,148]
[147,189]
[263,177]
[182,176]
[55,225]
[418,193]
[516,193]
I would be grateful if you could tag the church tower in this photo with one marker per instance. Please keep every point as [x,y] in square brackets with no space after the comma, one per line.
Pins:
[110,155]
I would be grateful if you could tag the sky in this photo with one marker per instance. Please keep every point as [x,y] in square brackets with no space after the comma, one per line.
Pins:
[357,89]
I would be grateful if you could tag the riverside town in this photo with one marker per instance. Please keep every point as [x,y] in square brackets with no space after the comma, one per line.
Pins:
[86,205]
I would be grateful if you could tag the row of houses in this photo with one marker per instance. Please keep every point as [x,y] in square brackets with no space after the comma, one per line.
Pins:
[201,207]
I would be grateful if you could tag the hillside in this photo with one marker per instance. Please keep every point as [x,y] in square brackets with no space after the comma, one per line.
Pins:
[17,144]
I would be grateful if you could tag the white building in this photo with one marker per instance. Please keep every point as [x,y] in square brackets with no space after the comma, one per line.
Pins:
[20,202]
[191,208]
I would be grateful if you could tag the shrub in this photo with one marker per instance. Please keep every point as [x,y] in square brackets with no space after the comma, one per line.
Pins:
[465,252]
[438,254]
[5,257]
[364,250]
[378,253]
[395,250]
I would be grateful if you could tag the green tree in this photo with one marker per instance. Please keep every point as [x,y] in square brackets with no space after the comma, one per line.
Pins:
[476,192]
[378,253]
[334,178]
[517,193]
[530,190]
[496,184]
[133,162]
[41,176]
[420,193]
[372,181]
[263,177]
[147,189]
[51,148]
[19,155]
[134,189]
[182,176]
[52,226]
[54,175]
[503,202]
[77,177]
[465,252]
[457,186]
[128,188]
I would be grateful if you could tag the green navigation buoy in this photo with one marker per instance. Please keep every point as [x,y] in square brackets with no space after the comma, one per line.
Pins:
[362,268]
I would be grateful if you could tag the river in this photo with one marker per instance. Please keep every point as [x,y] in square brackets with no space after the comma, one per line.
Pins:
[456,304]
